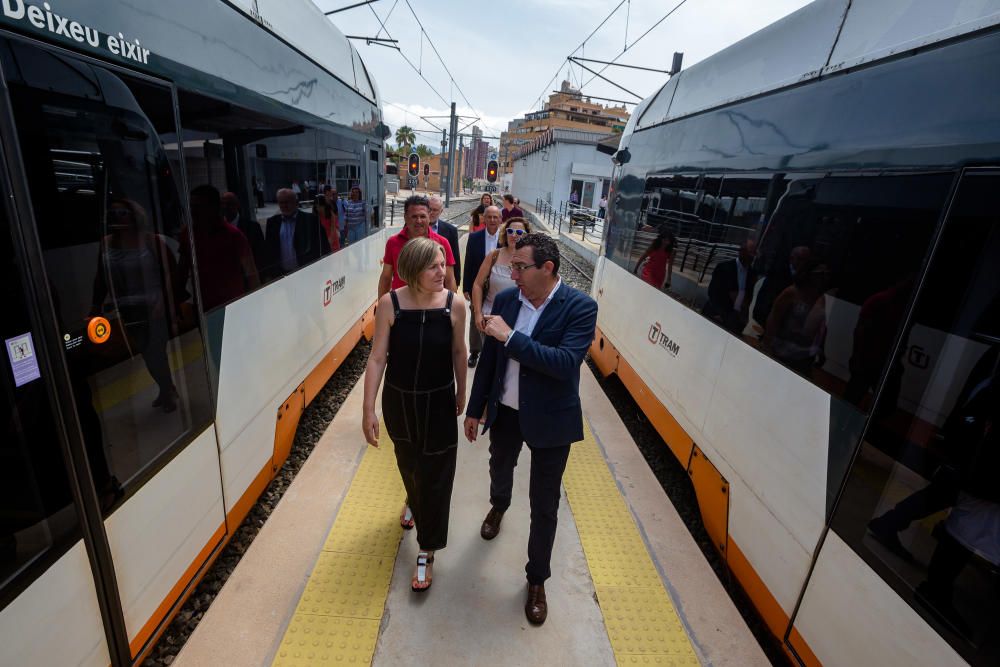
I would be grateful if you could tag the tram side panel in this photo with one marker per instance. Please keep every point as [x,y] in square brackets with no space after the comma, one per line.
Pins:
[163,534]
[725,400]
[64,599]
[845,598]
[272,340]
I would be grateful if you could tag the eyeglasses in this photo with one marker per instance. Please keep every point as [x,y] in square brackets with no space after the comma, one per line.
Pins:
[519,232]
[521,268]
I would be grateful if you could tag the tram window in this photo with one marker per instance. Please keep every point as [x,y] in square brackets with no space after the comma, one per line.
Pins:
[109,218]
[356,207]
[37,514]
[922,501]
[249,157]
[814,270]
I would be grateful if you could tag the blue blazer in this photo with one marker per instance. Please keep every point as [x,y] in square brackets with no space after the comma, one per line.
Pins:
[450,232]
[549,389]
[475,253]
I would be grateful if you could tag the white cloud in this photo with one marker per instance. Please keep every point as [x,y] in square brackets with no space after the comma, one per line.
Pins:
[397,114]
[503,62]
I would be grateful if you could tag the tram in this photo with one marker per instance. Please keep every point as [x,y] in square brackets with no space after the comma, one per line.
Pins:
[391,175]
[819,341]
[159,356]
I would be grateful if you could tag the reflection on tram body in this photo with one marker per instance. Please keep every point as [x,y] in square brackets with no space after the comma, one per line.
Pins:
[832,281]
[109,220]
[848,239]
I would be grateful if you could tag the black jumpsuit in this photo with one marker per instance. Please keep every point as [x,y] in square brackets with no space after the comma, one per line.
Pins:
[418,405]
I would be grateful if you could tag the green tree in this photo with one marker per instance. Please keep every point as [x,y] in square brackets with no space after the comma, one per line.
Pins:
[423,151]
[405,137]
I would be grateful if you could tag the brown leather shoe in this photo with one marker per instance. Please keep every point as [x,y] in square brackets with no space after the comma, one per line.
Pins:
[536,609]
[491,524]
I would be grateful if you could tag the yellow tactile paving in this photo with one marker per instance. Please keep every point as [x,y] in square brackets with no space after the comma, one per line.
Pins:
[327,640]
[639,615]
[337,619]
[347,585]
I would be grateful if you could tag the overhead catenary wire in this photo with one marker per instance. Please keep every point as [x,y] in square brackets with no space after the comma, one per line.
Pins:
[391,10]
[443,64]
[419,68]
[629,46]
[408,61]
[573,52]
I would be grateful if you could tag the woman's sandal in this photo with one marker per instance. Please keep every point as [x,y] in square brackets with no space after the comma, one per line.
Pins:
[424,573]
[406,518]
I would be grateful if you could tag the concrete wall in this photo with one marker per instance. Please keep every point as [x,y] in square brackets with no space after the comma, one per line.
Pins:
[547,173]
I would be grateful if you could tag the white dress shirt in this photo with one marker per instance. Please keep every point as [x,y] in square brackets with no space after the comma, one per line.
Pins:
[491,241]
[527,318]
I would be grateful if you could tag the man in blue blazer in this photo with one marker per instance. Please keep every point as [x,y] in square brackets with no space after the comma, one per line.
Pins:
[478,247]
[527,390]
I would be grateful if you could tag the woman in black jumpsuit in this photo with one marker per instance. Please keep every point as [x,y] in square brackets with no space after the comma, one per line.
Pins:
[419,335]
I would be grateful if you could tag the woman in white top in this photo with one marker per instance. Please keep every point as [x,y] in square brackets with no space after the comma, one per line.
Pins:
[494,274]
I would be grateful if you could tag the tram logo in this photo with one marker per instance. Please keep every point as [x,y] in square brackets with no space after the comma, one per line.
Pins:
[332,288]
[918,357]
[657,337]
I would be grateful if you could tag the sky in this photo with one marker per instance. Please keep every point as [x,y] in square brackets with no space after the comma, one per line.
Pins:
[505,58]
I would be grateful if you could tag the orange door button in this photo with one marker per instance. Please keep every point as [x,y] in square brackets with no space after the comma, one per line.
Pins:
[98,330]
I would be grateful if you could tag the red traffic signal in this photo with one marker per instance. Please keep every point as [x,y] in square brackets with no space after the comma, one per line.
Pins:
[427,169]
[414,164]
[491,171]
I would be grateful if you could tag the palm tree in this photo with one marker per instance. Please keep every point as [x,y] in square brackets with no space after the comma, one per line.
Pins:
[405,137]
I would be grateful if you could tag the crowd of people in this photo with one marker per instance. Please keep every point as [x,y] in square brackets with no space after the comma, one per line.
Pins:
[528,336]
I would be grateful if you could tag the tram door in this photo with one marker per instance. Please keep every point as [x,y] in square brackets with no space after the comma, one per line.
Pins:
[109,221]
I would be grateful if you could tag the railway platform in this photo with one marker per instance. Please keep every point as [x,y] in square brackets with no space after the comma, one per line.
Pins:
[327,580]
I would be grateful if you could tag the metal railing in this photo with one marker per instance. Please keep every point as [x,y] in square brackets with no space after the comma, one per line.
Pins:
[389,216]
[701,244]
[569,215]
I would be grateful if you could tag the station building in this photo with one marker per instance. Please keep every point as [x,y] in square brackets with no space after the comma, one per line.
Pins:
[559,162]
[566,109]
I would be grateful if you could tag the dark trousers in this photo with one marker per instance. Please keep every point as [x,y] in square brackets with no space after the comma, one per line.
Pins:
[547,466]
[475,336]
[428,479]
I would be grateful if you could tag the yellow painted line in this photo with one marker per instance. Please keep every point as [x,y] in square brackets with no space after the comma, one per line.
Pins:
[336,621]
[109,395]
[639,615]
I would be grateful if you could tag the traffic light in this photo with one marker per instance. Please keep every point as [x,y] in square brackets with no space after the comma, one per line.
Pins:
[414,164]
[427,170]
[491,171]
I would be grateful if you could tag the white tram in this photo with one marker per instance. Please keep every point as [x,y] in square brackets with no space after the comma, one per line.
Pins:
[820,343]
[157,358]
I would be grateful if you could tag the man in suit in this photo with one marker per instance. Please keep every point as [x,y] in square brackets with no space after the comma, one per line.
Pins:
[478,247]
[527,390]
[447,230]
[731,290]
[293,238]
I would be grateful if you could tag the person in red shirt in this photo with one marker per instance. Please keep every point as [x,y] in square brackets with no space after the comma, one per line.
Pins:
[416,214]
[226,268]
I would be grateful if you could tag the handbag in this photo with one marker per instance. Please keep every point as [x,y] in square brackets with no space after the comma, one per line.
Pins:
[486,283]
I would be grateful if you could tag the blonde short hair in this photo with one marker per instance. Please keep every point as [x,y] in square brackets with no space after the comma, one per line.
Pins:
[416,257]
[503,230]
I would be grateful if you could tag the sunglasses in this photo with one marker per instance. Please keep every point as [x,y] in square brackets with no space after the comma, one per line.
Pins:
[519,232]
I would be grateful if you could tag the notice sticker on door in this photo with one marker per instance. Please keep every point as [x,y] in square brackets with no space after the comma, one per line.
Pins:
[23,362]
